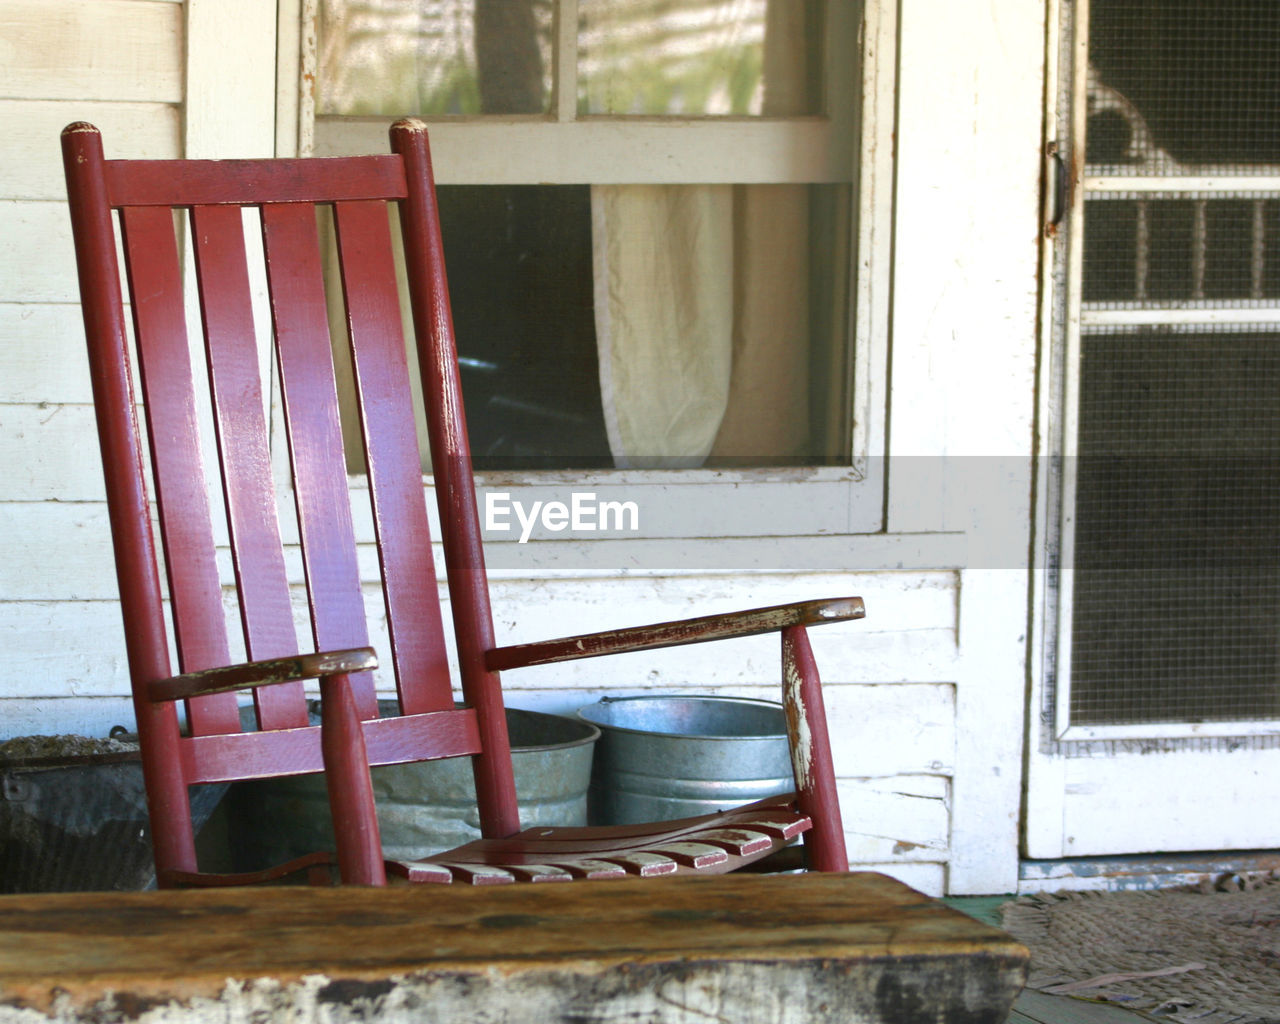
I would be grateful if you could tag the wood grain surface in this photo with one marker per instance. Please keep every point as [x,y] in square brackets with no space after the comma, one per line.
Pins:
[815,947]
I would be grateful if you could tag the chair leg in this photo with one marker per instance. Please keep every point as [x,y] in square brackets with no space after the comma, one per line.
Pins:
[811,753]
[355,818]
[173,836]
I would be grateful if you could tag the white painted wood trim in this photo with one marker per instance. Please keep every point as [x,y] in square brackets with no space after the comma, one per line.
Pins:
[230,88]
[291,85]
[1224,184]
[565,60]
[613,151]
[308,63]
[1169,730]
[1045,512]
[1241,313]
[1043,808]
[872,267]
[969,126]
[1069,410]
[1170,798]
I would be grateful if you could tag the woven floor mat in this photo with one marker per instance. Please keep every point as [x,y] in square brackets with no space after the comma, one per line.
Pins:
[1195,956]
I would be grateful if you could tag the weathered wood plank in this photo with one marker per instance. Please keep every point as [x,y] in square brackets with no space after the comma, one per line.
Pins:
[91,49]
[1188,809]
[753,661]
[895,819]
[30,128]
[908,634]
[37,263]
[44,355]
[809,948]
[84,716]
[65,649]
[50,451]
[56,551]
[700,629]
[913,734]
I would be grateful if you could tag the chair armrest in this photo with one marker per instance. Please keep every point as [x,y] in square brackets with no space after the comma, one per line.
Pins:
[673,634]
[262,673]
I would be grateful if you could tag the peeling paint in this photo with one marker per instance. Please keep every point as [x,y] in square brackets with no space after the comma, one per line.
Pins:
[798,724]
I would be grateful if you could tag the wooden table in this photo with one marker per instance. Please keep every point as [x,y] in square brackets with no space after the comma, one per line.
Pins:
[737,948]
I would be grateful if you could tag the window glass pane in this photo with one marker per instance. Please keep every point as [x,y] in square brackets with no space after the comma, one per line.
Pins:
[699,57]
[433,57]
[522,264]
[520,285]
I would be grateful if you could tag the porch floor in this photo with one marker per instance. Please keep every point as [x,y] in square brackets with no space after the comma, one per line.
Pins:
[1039,1007]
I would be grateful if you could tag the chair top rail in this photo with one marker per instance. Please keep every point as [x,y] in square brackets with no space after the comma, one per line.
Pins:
[184,183]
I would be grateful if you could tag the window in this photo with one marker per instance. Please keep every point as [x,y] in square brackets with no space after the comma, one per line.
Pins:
[1171,371]
[649,216]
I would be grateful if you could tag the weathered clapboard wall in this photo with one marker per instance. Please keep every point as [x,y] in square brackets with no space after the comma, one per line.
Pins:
[118,63]
[924,696]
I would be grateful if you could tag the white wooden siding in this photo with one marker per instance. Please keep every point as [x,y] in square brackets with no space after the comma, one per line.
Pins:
[118,64]
[91,50]
[33,165]
[36,338]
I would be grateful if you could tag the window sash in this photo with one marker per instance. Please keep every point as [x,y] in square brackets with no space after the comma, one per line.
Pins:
[615,151]
[853,144]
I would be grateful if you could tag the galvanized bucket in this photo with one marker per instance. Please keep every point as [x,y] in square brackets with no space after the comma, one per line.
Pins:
[78,822]
[660,758]
[423,808]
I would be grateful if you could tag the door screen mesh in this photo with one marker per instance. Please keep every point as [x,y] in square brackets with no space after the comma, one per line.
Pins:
[1177,581]
[1176,593]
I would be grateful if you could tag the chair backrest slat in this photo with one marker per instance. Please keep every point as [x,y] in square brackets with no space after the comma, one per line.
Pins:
[262,582]
[391,452]
[309,392]
[155,281]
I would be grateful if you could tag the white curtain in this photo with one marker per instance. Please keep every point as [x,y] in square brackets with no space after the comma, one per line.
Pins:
[702,303]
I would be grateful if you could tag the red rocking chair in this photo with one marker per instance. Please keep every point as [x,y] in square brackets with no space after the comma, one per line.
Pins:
[166,461]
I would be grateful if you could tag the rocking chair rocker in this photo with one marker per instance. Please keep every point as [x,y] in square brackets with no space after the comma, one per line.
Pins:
[165,457]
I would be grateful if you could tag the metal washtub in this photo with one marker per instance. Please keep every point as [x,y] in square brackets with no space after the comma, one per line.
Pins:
[78,822]
[423,808]
[660,758]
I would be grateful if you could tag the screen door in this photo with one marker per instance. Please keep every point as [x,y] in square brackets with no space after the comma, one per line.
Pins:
[1160,692]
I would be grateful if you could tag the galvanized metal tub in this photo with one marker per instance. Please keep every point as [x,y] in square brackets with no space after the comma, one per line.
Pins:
[423,808]
[77,822]
[672,757]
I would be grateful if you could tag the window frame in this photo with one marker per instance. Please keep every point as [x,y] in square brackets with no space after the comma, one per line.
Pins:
[852,145]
